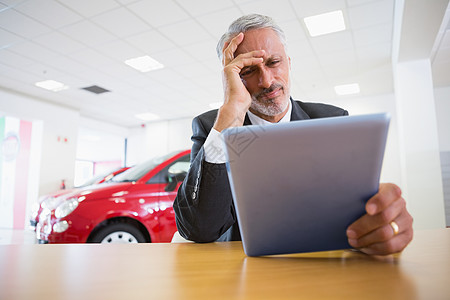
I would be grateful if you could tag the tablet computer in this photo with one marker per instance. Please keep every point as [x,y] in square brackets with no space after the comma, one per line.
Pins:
[297,186]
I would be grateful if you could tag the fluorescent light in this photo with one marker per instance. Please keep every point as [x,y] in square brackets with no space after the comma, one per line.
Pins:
[51,85]
[144,63]
[325,23]
[215,105]
[347,89]
[147,116]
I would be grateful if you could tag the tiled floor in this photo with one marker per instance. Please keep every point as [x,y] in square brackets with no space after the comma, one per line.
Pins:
[15,236]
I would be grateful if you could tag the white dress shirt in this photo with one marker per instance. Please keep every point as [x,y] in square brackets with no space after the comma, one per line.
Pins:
[214,148]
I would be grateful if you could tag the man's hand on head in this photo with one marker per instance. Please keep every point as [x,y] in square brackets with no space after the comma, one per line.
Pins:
[237,99]
[386,228]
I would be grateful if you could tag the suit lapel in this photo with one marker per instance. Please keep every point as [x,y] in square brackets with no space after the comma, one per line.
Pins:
[247,120]
[297,112]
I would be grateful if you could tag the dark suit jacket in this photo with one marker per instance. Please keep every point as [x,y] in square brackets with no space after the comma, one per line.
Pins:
[203,207]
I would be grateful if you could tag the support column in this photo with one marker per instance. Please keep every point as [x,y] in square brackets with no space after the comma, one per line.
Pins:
[416,27]
[419,144]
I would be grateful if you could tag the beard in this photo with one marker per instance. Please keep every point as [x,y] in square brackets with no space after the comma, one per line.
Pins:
[270,107]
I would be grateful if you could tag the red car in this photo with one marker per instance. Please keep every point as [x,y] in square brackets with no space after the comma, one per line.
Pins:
[47,202]
[134,207]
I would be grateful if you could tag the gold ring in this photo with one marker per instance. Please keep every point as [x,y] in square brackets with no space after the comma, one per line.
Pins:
[394,227]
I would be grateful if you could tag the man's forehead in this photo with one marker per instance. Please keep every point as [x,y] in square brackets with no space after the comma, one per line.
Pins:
[261,39]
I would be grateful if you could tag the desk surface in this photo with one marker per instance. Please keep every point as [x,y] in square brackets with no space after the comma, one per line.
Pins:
[222,271]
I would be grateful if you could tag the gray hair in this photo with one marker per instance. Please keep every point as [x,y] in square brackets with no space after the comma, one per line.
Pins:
[246,23]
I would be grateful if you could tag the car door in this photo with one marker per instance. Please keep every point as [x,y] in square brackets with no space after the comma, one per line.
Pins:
[167,196]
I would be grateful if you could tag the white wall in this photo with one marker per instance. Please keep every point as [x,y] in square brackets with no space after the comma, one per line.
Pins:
[158,138]
[51,160]
[99,141]
[57,157]
[442,99]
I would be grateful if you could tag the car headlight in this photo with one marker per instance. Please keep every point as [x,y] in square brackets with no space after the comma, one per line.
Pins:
[60,226]
[50,203]
[66,208]
[35,210]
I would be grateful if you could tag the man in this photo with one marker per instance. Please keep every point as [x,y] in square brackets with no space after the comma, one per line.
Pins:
[257,91]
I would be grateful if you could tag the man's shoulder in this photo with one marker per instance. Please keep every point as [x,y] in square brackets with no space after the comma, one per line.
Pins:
[205,121]
[209,115]
[321,110]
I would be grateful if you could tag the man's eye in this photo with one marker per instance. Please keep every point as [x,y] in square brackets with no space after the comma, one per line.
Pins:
[273,62]
[246,72]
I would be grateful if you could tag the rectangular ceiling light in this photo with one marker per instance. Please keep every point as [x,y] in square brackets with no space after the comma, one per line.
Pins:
[147,117]
[144,63]
[51,85]
[347,89]
[325,23]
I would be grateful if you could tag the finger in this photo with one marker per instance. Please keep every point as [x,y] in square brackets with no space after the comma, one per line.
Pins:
[383,233]
[230,47]
[369,223]
[387,193]
[391,246]
[247,59]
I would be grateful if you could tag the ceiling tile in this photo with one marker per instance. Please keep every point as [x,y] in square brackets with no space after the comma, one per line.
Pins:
[19,75]
[33,51]
[21,25]
[113,21]
[303,8]
[192,70]
[173,58]
[49,12]
[283,9]
[203,50]
[166,76]
[342,59]
[374,34]
[373,13]
[59,43]
[217,23]
[14,60]
[358,2]
[119,50]
[90,8]
[373,56]
[88,33]
[7,38]
[185,33]
[91,58]
[151,42]
[293,31]
[332,42]
[159,13]
[299,49]
[200,7]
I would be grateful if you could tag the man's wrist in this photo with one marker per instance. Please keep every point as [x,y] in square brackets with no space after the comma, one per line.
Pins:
[213,147]
[228,117]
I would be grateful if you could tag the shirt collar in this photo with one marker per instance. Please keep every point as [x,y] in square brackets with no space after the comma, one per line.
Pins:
[255,120]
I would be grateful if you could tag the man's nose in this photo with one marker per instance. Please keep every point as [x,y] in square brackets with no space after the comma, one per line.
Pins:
[265,78]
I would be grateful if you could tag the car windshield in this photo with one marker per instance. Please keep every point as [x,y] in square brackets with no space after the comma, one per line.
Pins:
[136,172]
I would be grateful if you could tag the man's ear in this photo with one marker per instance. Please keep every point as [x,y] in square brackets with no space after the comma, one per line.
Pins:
[289,58]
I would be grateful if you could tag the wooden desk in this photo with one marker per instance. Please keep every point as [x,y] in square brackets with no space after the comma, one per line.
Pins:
[222,271]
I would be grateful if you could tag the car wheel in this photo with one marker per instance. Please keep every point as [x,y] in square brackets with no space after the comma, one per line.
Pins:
[118,233]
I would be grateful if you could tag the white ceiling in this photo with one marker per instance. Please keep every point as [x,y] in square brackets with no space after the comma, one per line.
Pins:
[83,43]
